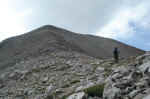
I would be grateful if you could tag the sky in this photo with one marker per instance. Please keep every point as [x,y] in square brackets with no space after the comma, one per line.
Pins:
[127,21]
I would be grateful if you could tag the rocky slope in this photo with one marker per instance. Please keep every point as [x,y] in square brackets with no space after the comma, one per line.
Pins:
[72,75]
[130,81]
[52,63]
[49,39]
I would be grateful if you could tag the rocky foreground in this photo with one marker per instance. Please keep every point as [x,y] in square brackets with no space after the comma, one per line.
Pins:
[72,75]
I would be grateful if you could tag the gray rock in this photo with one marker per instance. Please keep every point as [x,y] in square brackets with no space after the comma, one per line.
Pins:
[16,75]
[49,89]
[145,67]
[100,70]
[139,96]
[79,95]
[111,92]
[28,91]
[45,79]
[133,93]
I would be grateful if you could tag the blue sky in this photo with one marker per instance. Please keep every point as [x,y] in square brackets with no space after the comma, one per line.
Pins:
[125,20]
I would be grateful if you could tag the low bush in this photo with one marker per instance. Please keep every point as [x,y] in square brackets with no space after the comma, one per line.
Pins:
[96,90]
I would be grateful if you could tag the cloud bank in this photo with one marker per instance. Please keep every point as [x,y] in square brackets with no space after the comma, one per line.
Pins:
[127,21]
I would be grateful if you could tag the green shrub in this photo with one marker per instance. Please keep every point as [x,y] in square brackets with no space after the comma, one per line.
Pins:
[96,90]
[64,97]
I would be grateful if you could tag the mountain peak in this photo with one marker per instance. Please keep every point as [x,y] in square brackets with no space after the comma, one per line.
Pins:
[48,26]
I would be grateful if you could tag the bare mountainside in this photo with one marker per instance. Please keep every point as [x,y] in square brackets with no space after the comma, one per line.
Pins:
[52,63]
[49,39]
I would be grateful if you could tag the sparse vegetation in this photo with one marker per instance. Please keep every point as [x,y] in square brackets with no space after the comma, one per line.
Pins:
[96,90]
[64,97]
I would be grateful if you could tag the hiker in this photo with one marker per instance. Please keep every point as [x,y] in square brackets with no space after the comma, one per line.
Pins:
[116,54]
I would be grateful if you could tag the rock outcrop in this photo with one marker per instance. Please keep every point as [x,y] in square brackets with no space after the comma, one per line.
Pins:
[131,81]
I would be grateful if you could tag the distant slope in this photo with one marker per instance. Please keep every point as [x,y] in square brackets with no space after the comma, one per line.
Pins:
[48,39]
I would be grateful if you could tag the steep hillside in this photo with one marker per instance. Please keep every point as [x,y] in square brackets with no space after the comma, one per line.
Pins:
[72,75]
[52,63]
[50,39]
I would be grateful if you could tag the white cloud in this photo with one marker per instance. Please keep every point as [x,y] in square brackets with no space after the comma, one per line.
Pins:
[120,27]
[25,13]
[111,18]
[11,22]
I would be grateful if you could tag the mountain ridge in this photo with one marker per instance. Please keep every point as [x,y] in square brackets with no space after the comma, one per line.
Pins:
[48,38]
